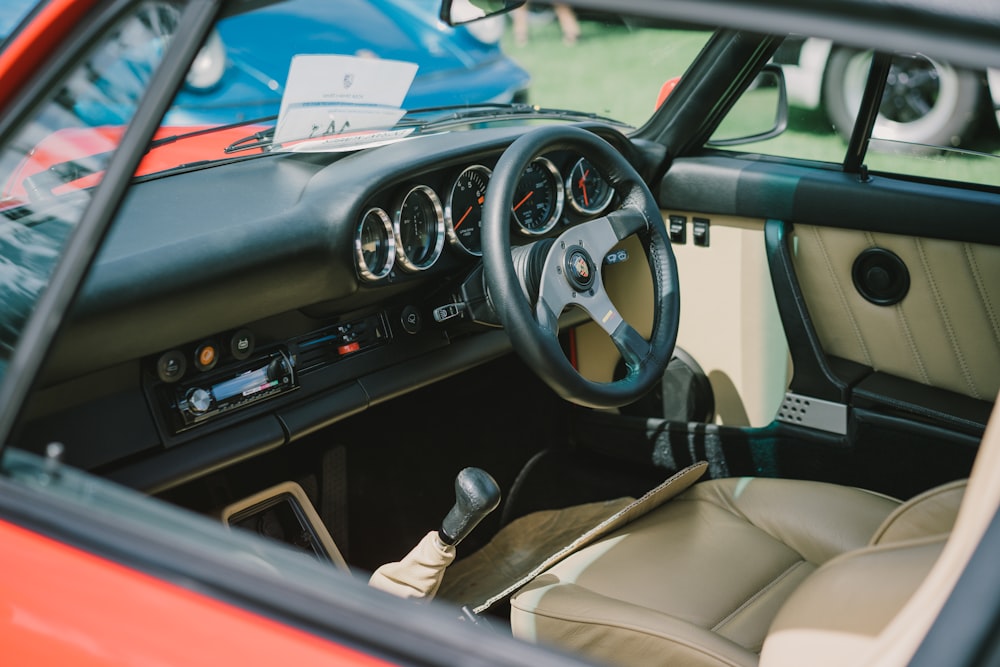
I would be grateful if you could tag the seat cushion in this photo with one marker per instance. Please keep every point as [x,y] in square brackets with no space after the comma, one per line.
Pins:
[698,580]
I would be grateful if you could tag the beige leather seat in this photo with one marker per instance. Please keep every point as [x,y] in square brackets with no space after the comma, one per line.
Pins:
[702,579]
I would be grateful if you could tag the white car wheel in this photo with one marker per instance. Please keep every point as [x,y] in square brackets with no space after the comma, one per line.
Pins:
[925,101]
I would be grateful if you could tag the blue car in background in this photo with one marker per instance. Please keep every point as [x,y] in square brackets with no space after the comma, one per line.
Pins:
[235,80]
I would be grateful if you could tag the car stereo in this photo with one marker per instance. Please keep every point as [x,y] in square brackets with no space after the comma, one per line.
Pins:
[210,396]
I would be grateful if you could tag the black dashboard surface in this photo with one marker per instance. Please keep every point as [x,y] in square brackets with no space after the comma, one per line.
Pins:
[264,244]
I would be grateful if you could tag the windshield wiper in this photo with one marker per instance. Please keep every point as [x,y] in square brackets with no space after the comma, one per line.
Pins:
[162,141]
[454,116]
[261,139]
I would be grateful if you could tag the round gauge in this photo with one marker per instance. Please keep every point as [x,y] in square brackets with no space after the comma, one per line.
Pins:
[589,193]
[464,212]
[419,229]
[538,197]
[374,245]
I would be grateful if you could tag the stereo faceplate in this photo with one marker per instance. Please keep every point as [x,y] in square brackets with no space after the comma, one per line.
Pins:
[211,396]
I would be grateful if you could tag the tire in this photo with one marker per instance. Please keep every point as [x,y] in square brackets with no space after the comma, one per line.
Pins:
[925,101]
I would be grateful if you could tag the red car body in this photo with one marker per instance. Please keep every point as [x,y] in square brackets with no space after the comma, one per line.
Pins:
[29,49]
[68,607]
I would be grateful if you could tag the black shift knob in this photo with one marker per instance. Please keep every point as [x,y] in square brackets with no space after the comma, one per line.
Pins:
[476,495]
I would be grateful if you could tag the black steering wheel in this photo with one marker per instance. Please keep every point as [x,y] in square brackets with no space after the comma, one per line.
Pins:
[531,286]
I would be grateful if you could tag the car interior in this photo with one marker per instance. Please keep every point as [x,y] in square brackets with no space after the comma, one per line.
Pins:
[729,408]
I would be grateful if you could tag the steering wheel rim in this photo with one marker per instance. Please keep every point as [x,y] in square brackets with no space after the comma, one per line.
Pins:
[572,272]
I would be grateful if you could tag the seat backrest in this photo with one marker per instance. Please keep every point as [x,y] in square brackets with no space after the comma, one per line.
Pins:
[929,514]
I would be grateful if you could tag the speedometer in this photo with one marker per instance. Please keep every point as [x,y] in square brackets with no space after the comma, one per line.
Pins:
[419,229]
[464,212]
[589,192]
[538,197]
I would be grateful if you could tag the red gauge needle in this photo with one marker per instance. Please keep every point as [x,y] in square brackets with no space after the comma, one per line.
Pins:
[462,219]
[526,198]
[583,186]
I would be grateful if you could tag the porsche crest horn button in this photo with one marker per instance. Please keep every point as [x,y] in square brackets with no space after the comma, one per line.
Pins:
[580,268]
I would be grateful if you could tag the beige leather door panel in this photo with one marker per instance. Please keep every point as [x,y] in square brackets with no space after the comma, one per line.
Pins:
[945,333]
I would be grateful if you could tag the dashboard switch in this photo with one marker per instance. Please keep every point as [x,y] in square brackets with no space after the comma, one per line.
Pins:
[448,311]
[410,319]
[171,365]
[206,356]
[241,345]
[678,229]
[348,348]
[700,227]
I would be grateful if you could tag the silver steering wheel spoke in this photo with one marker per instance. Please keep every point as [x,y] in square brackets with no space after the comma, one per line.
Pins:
[572,275]
[571,270]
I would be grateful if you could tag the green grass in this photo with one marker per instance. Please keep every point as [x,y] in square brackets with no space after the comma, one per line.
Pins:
[617,71]
[614,71]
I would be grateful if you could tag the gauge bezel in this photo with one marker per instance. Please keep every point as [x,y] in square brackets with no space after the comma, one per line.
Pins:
[449,214]
[581,208]
[405,261]
[371,273]
[557,209]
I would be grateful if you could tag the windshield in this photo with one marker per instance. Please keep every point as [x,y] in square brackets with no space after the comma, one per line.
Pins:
[345,72]
[339,75]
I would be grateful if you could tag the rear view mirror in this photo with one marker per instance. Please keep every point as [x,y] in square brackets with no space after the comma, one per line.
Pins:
[759,114]
[458,12]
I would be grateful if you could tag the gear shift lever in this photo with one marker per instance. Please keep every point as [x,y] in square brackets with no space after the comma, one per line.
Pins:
[420,572]
[476,495]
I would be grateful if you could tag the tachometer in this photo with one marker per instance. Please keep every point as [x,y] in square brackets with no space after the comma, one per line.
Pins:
[538,197]
[374,245]
[464,211]
[588,192]
[419,229]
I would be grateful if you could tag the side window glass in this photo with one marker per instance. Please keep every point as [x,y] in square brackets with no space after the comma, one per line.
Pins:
[49,165]
[824,90]
[938,121]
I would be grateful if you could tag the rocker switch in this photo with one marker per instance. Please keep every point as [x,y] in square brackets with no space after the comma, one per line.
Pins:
[678,229]
[699,230]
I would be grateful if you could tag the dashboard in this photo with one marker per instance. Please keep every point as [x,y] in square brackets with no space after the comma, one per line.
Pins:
[237,307]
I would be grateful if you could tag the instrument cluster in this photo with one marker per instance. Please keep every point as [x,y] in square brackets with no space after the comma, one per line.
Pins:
[407,229]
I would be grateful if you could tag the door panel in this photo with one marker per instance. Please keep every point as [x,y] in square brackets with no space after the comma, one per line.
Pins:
[911,383]
[938,346]
[945,333]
